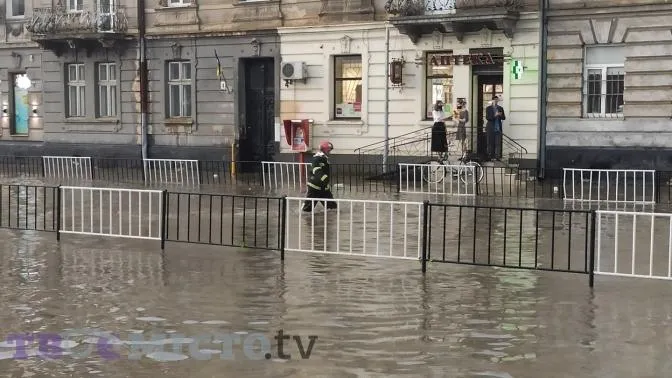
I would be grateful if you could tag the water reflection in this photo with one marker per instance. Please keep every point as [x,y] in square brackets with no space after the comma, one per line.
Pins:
[373,317]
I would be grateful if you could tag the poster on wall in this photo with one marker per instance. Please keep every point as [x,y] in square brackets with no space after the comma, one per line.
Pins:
[349,110]
[21,110]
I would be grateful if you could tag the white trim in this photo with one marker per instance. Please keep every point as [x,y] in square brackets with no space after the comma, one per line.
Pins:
[179,3]
[9,10]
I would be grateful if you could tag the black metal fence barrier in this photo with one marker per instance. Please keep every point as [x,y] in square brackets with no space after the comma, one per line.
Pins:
[510,237]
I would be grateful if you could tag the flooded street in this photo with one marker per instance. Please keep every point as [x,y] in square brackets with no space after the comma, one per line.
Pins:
[372,317]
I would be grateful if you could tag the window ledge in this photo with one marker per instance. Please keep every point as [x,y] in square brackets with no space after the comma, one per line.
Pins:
[89,120]
[242,3]
[186,121]
[345,122]
[175,7]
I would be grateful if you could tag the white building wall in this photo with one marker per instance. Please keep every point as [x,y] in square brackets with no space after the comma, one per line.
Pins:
[313,99]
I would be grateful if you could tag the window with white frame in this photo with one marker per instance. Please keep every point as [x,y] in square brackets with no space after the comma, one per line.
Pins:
[76,90]
[179,3]
[604,81]
[179,89]
[75,5]
[107,90]
[15,8]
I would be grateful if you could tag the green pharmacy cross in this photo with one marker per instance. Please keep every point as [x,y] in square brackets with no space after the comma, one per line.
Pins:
[517,69]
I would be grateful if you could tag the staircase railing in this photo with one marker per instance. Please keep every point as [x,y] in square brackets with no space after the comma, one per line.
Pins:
[415,141]
[516,149]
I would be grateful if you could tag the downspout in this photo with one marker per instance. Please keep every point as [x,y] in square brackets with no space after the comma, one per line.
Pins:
[144,90]
[386,126]
[543,46]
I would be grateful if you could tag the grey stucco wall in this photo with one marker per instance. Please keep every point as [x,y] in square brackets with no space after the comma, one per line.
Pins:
[216,117]
[58,128]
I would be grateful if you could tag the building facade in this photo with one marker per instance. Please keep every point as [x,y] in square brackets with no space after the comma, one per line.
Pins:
[609,71]
[447,53]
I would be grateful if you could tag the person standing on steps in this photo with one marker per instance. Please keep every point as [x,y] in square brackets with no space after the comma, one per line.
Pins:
[319,182]
[462,120]
[495,116]
[439,134]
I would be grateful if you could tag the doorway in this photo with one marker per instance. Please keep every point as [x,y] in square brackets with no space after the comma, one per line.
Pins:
[487,86]
[257,129]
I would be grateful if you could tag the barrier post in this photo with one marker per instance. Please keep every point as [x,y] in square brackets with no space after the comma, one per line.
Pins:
[591,272]
[58,213]
[283,227]
[164,218]
[425,221]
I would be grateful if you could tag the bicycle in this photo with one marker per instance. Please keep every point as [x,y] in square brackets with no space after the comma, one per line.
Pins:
[465,168]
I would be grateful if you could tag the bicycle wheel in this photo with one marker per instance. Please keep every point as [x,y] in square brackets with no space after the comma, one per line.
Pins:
[435,173]
[468,175]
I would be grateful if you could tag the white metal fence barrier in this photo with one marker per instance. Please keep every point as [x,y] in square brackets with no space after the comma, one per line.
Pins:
[281,175]
[609,185]
[457,180]
[634,244]
[125,213]
[67,167]
[356,227]
[171,171]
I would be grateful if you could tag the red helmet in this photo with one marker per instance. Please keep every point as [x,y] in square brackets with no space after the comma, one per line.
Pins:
[326,146]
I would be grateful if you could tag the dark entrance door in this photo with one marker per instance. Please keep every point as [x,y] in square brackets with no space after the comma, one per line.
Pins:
[488,86]
[256,132]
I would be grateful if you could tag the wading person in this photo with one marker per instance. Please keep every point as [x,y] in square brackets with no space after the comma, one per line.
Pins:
[494,114]
[318,183]
[439,135]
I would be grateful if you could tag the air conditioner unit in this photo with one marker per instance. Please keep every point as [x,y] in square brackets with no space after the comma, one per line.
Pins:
[293,70]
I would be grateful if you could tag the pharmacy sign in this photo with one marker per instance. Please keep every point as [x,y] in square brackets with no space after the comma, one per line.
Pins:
[517,69]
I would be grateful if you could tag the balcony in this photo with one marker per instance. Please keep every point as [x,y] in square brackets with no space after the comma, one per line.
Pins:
[415,18]
[58,28]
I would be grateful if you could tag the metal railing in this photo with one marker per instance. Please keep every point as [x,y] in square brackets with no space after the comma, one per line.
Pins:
[171,171]
[124,213]
[607,242]
[226,220]
[634,244]
[457,180]
[281,175]
[512,237]
[417,141]
[67,168]
[28,207]
[59,19]
[610,185]
[364,228]
[406,8]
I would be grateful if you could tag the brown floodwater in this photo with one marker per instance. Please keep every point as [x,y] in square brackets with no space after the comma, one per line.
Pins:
[373,317]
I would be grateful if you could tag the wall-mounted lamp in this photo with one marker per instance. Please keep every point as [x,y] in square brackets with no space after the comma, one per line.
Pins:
[4,110]
[34,110]
[396,72]
[23,81]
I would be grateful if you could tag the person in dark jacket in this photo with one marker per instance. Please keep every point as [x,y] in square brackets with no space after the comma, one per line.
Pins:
[319,181]
[495,116]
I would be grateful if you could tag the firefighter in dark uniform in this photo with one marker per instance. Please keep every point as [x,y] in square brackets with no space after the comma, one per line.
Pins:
[318,183]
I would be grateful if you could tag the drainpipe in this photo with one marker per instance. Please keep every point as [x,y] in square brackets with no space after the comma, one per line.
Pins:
[144,90]
[386,126]
[543,46]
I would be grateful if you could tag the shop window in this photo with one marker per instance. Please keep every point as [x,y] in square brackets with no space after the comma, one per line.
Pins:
[348,87]
[604,77]
[438,82]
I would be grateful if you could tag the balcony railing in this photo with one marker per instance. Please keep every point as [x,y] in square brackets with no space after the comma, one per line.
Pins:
[406,8]
[59,20]
[419,7]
